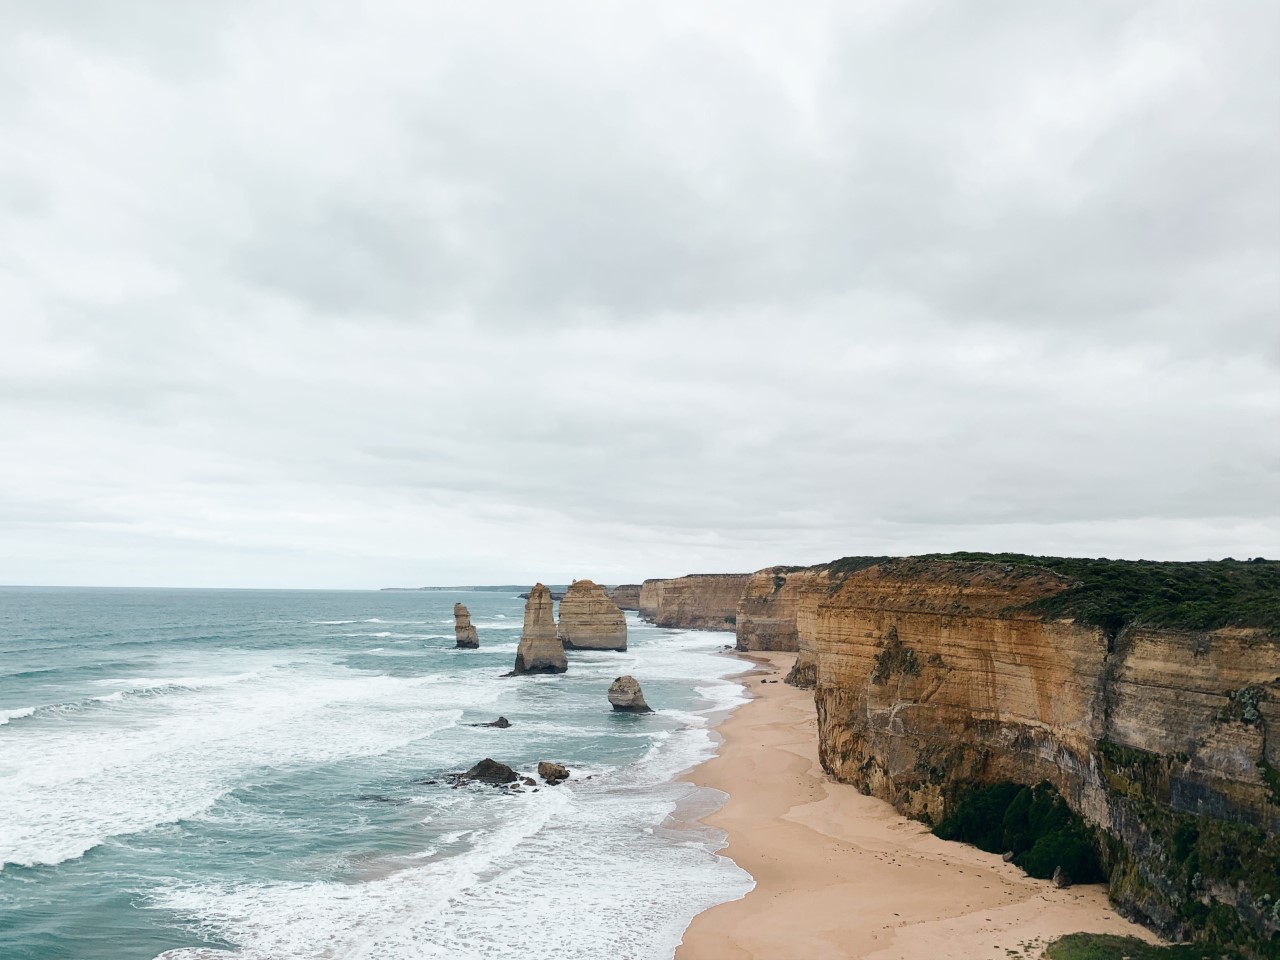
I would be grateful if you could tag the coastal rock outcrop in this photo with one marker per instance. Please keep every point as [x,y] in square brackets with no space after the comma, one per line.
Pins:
[553,773]
[700,601]
[486,771]
[626,696]
[934,676]
[626,596]
[589,620]
[464,633]
[540,649]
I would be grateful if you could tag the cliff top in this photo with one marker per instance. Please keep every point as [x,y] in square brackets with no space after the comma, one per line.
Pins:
[1200,595]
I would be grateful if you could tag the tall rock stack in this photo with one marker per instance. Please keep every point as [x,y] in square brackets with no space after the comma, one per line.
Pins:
[465,633]
[540,648]
[589,620]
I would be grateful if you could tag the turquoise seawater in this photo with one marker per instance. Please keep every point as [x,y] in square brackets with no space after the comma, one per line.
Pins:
[242,774]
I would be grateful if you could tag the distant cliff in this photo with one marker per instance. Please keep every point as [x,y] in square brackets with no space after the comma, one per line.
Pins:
[1148,695]
[626,596]
[701,601]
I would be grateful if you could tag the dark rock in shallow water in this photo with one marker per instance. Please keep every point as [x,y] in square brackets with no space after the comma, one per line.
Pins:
[501,723]
[486,771]
[553,773]
[625,695]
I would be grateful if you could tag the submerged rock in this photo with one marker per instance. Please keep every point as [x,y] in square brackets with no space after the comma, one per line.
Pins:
[467,638]
[553,773]
[625,695]
[501,723]
[589,620]
[540,648]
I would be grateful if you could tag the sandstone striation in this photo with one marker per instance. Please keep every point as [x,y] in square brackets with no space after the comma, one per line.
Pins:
[540,649]
[933,676]
[626,596]
[702,601]
[626,696]
[463,631]
[589,620]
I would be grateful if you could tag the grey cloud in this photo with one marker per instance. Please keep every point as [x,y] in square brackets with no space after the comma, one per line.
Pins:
[412,292]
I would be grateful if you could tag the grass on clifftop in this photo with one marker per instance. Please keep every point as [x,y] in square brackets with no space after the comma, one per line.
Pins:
[1113,594]
[1095,946]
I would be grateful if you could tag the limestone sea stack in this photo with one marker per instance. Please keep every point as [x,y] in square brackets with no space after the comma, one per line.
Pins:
[467,638]
[589,620]
[626,696]
[540,648]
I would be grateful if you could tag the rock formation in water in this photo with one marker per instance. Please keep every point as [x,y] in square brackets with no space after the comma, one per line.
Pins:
[704,601]
[486,771]
[540,649]
[935,676]
[553,773]
[626,596]
[625,695]
[463,631]
[589,620]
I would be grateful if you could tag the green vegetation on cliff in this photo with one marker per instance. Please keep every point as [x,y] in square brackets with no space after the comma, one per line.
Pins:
[1034,823]
[1101,946]
[1113,594]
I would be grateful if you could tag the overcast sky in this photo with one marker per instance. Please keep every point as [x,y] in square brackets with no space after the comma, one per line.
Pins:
[330,294]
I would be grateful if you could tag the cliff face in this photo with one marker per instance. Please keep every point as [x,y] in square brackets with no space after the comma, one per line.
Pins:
[540,649]
[927,681]
[626,596]
[650,599]
[769,614]
[700,601]
[589,620]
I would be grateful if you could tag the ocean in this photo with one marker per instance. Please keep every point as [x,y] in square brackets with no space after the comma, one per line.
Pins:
[244,775]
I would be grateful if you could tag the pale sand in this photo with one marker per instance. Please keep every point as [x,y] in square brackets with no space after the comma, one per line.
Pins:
[840,875]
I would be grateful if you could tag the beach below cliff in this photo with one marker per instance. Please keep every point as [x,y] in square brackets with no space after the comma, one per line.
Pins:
[840,875]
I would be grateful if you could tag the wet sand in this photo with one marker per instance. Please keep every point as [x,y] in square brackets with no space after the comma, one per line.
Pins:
[841,876]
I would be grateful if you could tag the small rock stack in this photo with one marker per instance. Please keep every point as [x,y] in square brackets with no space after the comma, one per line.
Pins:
[463,631]
[626,696]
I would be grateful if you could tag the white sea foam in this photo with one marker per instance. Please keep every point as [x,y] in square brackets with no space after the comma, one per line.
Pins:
[7,715]
[584,858]
[70,785]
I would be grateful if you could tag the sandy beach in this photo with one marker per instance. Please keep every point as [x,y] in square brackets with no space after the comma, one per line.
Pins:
[840,875]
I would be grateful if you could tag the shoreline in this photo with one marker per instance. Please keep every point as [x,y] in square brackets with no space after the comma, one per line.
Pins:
[842,876]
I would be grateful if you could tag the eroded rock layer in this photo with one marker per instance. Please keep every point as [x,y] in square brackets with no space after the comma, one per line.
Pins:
[589,620]
[931,676]
[540,649]
[700,601]
[626,596]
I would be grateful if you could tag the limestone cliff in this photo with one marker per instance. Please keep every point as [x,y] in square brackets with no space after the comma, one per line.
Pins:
[626,596]
[463,631]
[540,649]
[934,675]
[589,620]
[700,601]
[777,608]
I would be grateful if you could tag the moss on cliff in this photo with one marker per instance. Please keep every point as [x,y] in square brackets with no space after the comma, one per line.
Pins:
[1113,594]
